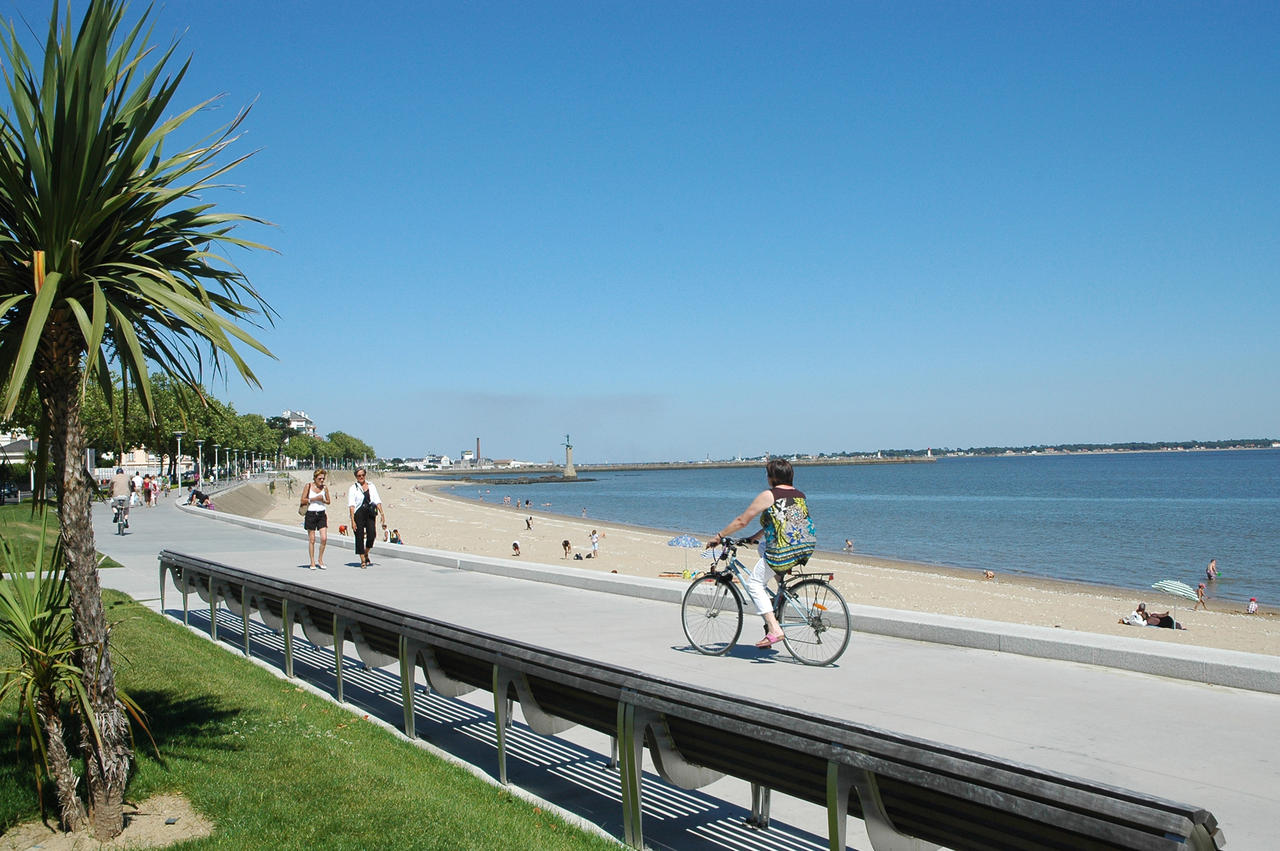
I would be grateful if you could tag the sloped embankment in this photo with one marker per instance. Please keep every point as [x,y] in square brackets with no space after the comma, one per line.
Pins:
[251,500]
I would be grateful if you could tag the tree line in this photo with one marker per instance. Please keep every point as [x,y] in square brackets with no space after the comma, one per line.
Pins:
[114,427]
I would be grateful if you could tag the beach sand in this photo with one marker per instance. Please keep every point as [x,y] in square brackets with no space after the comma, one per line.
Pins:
[426,517]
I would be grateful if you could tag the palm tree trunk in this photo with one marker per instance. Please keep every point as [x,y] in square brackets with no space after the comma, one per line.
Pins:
[106,767]
[60,768]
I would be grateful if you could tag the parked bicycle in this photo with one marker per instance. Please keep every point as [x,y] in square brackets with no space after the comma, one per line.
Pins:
[813,615]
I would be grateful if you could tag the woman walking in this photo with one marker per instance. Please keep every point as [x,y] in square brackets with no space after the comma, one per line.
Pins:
[315,498]
[365,508]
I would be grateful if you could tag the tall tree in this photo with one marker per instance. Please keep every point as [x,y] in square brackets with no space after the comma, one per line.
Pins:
[107,254]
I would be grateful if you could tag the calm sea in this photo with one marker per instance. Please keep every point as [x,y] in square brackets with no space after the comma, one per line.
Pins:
[1126,520]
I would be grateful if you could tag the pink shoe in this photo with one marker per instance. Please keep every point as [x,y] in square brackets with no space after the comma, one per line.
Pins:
[768,641]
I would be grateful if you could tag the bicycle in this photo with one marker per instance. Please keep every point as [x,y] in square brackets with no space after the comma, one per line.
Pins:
[120,513]
[812,613]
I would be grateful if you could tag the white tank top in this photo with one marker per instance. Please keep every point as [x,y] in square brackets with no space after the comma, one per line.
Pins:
[315,498]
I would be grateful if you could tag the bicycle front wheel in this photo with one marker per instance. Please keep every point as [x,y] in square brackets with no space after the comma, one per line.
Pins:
[712,614]
[815,622]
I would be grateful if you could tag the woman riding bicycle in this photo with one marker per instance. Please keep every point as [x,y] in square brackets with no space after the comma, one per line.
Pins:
[780,507]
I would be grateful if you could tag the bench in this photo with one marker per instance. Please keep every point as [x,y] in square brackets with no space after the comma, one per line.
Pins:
[911,793]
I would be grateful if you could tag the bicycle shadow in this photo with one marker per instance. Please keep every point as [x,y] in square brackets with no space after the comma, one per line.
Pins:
[746,652]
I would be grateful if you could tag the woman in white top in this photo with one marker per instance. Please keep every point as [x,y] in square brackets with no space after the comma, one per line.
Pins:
[315,496]
[365,507]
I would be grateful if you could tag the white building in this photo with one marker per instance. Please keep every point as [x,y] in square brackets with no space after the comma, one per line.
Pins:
[299,421]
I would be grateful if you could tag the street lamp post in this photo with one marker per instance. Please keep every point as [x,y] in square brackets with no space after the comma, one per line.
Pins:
[199,459]
[177,461]
[216,447]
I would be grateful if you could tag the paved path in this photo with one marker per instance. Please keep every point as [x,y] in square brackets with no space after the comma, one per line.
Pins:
[1212,746]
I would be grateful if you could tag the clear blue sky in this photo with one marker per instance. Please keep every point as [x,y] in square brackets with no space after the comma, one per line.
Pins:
[680,230]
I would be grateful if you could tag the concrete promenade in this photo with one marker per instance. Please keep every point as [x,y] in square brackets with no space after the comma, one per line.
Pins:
[1209,745]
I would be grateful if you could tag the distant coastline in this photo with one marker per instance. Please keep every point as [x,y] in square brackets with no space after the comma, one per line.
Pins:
[488,467]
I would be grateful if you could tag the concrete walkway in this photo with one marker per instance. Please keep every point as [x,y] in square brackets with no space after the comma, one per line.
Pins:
[1209,745]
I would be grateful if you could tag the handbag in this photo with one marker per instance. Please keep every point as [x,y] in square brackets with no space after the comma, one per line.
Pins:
[302,510]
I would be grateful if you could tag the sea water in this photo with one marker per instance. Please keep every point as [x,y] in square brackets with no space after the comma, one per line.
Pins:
[1122,519]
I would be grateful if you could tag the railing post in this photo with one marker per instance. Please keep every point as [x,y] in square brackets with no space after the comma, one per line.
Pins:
[339,630]
[631,762]
[162,569]
[839,782]
[213,610]
[408,665]
[186,593]
[244,615]
[760,796]
[286,626]
[501,716]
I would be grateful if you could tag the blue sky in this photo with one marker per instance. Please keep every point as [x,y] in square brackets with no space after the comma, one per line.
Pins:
[681,230]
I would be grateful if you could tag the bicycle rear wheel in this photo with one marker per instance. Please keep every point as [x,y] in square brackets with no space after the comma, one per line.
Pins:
[815,622]
[712,614]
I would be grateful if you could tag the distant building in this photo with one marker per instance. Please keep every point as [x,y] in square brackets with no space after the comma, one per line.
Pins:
[15,451]
[432,462]
[300,422]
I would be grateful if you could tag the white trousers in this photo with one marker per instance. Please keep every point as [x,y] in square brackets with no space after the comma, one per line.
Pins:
[756,582]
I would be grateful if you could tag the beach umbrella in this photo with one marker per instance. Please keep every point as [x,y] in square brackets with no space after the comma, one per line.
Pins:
[685,542]
[1177,589]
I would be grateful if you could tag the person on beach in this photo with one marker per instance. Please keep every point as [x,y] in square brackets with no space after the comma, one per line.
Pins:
[515,548]
[528,522]
[1141,617]
[315,498]
[1200,598]
[567,547]
[1211,572]
[364,507]
[395,537]
[1138,617]
[781,497]
[595,544]
[848,545]
[1252,608]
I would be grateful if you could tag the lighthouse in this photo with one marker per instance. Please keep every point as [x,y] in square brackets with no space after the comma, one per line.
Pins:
[569,472]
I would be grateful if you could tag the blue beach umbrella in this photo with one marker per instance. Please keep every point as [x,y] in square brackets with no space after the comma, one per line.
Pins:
[685,542]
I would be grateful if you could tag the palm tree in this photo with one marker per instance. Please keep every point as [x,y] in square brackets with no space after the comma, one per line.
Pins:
[107,255]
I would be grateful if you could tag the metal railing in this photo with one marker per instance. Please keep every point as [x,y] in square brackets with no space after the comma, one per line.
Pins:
[909,792]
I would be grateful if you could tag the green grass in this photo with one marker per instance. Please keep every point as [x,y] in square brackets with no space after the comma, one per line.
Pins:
[17,525]
[274,766]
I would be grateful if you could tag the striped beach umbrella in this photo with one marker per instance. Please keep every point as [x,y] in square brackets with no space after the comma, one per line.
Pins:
[1177,589]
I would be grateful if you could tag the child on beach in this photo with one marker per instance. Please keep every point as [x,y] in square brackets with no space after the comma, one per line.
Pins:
[1252,608]
[1200,599]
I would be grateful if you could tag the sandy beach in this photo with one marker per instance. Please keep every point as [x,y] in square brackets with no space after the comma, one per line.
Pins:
[426,517]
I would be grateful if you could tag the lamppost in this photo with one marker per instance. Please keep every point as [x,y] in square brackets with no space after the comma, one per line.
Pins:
[177,461]
[199,459]
[216,447]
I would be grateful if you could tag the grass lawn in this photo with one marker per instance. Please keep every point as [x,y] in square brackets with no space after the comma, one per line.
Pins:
[274,766]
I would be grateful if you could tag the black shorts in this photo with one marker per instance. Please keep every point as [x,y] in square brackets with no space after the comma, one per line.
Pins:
[315,520]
